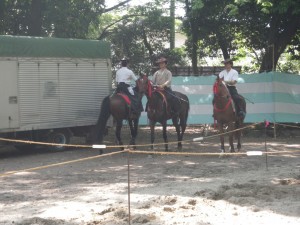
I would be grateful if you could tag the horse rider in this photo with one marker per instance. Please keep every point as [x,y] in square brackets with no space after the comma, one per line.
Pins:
[124,76]
[162,78]
[230,76]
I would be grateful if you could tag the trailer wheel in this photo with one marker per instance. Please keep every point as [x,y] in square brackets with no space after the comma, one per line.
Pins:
[59,137]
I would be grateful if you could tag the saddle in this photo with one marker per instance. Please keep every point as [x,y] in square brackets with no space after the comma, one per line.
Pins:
[162,93]
[168,102]
[131,103]
[125,97]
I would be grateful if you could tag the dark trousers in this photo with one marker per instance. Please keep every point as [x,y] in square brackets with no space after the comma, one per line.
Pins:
[236,98]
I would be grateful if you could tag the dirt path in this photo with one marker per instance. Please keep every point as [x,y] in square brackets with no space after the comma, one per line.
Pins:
[165,189]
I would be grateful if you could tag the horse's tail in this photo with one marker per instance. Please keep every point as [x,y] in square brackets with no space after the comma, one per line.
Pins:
[100,127]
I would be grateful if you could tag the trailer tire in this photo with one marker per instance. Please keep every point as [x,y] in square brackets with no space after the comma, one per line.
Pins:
[59,137]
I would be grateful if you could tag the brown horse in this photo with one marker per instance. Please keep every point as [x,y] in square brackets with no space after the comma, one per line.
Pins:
[224,114]
[158,110]
[117,106]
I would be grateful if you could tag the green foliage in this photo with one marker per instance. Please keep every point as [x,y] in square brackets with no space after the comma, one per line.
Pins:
[236,27]
[142,35]
[57,18]
[243,29]
[288,65]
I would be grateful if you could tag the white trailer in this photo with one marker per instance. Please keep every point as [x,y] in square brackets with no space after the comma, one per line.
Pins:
[51,88]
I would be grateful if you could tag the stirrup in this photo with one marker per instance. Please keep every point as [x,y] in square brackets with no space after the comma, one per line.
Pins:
[242,114]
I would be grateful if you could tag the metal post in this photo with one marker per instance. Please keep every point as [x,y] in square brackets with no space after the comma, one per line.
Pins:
[128,169]
[266,149]
[273,62]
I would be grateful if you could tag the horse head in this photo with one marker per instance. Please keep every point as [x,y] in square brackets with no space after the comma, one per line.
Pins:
[220,89]
[144,85]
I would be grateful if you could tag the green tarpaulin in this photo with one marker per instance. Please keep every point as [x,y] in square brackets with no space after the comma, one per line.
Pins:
[21,46]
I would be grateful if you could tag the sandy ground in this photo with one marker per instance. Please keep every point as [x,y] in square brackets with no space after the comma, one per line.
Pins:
[165,189]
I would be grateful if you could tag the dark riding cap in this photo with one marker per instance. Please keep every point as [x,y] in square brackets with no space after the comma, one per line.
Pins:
[124,61]
[162,59]
[228,61]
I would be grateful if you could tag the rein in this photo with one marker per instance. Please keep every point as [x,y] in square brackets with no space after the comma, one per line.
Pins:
[225,108]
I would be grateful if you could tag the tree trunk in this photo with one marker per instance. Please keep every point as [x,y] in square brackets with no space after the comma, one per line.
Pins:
[35,26]
[172,28]
[147,44]
[194,53]
[278,41]
[223,45]
[194,37]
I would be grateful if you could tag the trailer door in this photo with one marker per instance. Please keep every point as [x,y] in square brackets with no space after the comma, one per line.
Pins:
[9,104]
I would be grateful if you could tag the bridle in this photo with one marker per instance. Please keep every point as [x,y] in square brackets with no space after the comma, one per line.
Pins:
[144,85]
[218,95]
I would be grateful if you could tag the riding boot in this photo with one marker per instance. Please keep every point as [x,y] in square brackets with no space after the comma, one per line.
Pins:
[239,108]
[140,106]
[241,112]
[175,105]
[136,105]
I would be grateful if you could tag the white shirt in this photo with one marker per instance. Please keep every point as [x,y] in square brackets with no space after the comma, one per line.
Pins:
[125,75]
[230,75]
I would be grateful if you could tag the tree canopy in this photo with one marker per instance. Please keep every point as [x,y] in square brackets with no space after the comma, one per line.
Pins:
[265,31]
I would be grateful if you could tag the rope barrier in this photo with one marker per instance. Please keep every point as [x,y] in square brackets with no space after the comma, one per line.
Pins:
[59,164]
[185,153]
[126,146]
[228,132]
[248,153]
[287,125]
[44,143]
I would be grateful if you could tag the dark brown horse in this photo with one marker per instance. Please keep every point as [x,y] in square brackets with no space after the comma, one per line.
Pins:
[158,110]
[224,114]
[117,106]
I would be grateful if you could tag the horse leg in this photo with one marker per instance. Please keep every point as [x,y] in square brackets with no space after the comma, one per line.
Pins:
[164,124]
[179,137]
[118,133]
[183,127]
[133,124]
[238,136]
[239,145]
[231,128]
[221,129]
[152,125]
